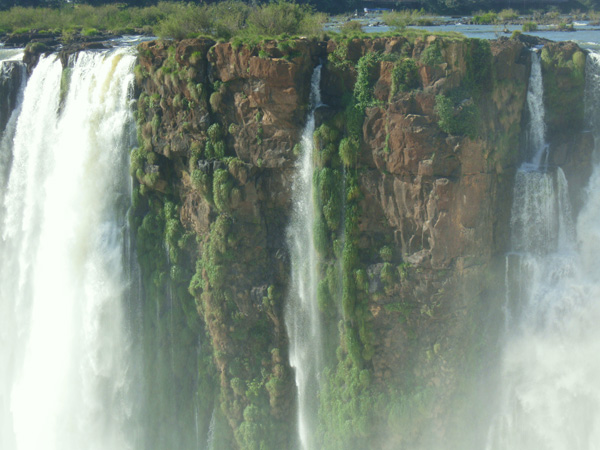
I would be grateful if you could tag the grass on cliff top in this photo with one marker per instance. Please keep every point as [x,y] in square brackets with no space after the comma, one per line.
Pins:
[409,33]
[114,18]
[222,20]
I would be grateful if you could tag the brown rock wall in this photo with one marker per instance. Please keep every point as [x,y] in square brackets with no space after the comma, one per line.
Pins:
[441,202]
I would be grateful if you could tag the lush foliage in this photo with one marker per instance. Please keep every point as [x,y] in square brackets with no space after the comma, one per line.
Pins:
[363,89]
[329,6]
[530,26]
[485,18]
[169,19]
[456,119]
[106,18]
[401,19]
[405,76]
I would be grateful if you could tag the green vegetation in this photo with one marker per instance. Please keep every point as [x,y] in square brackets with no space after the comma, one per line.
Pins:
[530,26]
[346,408]
[222,20]
[363,89]
[194,269]
[563,26]
[281,17]
[351,27]
[507,15]
[112,18]
[405,76]
[432,55]
[164,252]
[456,117]
[401,19]
[485,18]
[457,109]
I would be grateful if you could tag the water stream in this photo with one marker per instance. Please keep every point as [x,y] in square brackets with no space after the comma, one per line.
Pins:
[550,397]
[302,315]
[67,364]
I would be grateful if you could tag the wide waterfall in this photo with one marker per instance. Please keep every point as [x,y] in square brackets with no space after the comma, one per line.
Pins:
[550,397]
[302,311]
[67,366]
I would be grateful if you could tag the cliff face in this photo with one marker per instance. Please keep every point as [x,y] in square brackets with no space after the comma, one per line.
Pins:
[415,157]
[11,77]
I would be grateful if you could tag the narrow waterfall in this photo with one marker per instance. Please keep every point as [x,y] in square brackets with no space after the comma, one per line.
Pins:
[550,396]
[535,103]
[67,369]
[302,312]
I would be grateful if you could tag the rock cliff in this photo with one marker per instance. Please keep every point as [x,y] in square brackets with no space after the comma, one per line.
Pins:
[416,151]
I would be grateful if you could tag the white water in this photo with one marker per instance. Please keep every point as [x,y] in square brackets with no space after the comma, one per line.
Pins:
[302,316]
[66,365]
[535,103]
[550,396]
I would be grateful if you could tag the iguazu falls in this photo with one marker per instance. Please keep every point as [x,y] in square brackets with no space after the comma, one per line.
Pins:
[338,241]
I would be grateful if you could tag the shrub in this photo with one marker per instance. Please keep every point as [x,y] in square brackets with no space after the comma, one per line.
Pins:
[215,100]
[89,32]
[432,55]
[456,119]
[479,66]
[388,274]
[229,18]
[349,148]
[386,253]
[215,132]
[405,76]
[339,57]
[187,21]
[351,27]
[324,299]
[395,20]
[36,47]
[321,236]
[281,17]
[563,26]
[362,88]
[219,150]
[327,185]
[401,19]
[222,185]
[530,26]
[325,137]
[508,14]
[485,18]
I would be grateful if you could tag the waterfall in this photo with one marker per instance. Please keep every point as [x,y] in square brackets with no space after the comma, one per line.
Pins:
[535,103]
[302,312]
[550,396]
[67,364]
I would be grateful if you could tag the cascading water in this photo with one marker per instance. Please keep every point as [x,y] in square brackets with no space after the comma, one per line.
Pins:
[67,366]
[550,397]
[302,312]
[535,103]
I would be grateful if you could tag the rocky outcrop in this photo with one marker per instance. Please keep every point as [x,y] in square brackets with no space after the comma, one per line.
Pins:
[12,74]
[429,133]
